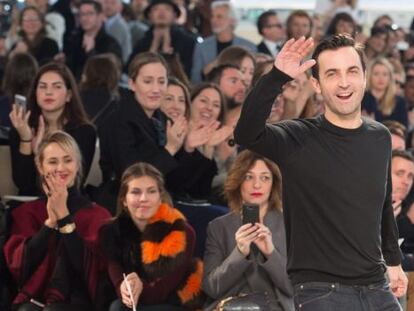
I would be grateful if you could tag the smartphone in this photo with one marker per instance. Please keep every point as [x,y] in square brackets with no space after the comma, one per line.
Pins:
[250,213]
[20,100]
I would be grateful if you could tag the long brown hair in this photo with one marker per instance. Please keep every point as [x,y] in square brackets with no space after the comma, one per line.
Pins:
[237,173]
[138,170]
[42,32]
[73,110]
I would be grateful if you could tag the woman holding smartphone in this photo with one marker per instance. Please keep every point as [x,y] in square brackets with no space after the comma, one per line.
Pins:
[152,244]
[52,251]
[249,258]
[53,104]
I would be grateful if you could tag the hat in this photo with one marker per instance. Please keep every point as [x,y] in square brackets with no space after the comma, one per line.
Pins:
[156,2]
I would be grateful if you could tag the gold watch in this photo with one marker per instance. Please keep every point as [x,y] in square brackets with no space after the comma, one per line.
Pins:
[69,228]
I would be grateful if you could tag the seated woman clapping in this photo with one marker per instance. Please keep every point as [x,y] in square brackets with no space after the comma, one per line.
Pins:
[52,251]
[249,258]
[150,243]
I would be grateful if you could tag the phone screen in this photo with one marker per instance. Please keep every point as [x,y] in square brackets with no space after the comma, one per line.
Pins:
[20,100]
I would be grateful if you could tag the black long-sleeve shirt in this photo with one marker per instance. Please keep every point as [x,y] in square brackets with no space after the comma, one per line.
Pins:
[336,190]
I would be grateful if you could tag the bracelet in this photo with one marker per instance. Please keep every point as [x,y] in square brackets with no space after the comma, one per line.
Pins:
[69,228]
[26,140]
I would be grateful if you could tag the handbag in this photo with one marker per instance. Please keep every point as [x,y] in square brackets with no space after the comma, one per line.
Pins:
[245,302]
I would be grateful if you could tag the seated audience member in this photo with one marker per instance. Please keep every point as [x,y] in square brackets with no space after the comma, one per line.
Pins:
[240,57]
[229,78]
[261,69]
[140,130]
[176,104]
[398,134]
[116,26]
[52,251]
[55,23]
[32,36]
[402,173]
[176,100]
[249,258]
[342,23]
[165,36]
[53,104]
[18,75]
[271,29]
[376,44]
[90,38]
[99,87]
[298,24]
[383,21]
[151,243]
[409,91]
[223,22]
[380,100]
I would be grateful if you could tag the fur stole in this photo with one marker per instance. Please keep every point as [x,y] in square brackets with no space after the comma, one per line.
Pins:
[166,245]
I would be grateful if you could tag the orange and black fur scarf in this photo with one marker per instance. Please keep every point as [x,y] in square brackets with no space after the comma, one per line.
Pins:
[165,247]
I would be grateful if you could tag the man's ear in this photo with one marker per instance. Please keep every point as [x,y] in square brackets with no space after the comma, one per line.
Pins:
[316,85]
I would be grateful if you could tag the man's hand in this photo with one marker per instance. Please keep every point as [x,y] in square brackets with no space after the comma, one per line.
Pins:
[292,54]
[398,281]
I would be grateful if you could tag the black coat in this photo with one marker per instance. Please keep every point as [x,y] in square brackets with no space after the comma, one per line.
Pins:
[76,56]
[137,139]
[182,42]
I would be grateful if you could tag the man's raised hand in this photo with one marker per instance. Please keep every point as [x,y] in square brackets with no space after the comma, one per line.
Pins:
[289,60]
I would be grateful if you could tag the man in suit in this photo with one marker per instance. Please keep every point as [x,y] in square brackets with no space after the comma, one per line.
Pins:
[223,22]
[90,39]
[271,29]
[165,36]
[116,26]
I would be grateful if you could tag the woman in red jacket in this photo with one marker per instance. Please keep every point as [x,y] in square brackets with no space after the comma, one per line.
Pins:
[52,250]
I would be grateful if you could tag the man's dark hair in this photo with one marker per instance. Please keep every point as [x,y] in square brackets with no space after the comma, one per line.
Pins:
[403,154]
[96,5]
[334,43]
[215,74]
[262,20]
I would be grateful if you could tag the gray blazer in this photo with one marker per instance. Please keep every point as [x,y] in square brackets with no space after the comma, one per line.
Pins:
[119,30]
[227,272]
[206,51]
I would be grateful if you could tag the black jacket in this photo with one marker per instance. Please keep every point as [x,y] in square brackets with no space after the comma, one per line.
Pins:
[182,42]
[130,137]
[76,56]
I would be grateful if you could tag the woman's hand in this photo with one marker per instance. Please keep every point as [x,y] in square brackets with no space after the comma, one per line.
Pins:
[51,220]
[245,235]
[57,195]
[19,117]
[264,240]
[176,133]
[199,135]
[220,135]
[136,288]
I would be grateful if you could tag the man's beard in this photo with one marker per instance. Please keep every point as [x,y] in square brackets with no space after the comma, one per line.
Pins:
[231,103]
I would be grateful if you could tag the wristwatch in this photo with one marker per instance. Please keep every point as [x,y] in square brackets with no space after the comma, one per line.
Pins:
[69,228]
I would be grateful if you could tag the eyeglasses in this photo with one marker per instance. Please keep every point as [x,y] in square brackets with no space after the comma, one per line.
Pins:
[82,14]
[280,26]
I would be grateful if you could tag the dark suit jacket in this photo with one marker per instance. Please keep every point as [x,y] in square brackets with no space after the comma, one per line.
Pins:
[262,48]
[182,42]
[76,56]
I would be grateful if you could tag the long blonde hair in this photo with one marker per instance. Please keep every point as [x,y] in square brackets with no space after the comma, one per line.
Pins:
[386,103]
